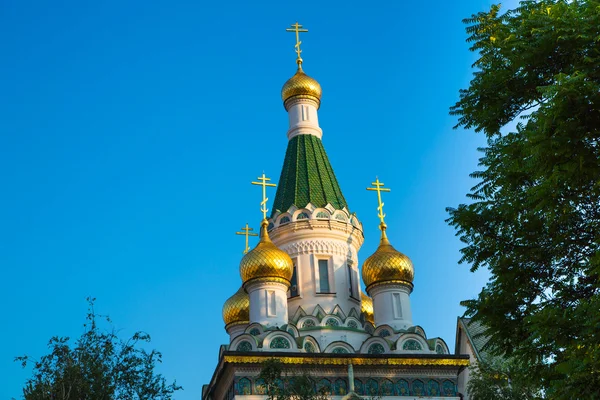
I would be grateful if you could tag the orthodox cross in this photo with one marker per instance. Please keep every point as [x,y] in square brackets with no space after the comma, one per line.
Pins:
[297,28]
[246,232]
[378,187]
[264,183]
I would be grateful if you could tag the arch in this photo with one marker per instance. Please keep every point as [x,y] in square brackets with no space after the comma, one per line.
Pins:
[418,388]
[280,341]
[441,347]
[331,320]
[376,348]
[386,388]
[310,345]
[368,348]
[401,388]
[324,386]
[322,214]
[449,388]
[308,322]
[260,387]
[339,344]
[244,337]
[302,216]
[411,344]
[353,323]
[243,346]
[358,386]
[291,329]
[339,387]
[433,388]
[254,329]
[340,217]
[371,387]
[244,386]
[284,220]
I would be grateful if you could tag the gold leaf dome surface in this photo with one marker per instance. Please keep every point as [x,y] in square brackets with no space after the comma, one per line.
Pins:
[387,265]
[366,307]
[237,308]
[301,85]
[266,261]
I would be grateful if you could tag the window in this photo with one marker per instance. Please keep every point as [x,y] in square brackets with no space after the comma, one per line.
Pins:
[324,276]
[352,282]
[397,305]
[271,303]
[294,282]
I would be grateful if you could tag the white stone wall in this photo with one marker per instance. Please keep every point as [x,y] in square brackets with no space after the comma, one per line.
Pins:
[391,305]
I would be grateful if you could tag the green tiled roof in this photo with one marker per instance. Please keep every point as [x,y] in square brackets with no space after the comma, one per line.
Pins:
[475,331]
[307,177]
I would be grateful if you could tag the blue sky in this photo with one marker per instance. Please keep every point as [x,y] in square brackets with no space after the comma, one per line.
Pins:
[130,132]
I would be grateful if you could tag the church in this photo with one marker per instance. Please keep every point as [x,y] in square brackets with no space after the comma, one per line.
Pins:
[300,299]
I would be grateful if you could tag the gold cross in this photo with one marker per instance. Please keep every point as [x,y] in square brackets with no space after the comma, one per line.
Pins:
[263,182]
[378,187]
[246,232]
[297,28]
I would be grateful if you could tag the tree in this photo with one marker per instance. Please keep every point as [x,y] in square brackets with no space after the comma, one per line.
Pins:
[99,366]
[501,379]
[534,222]
[283,385]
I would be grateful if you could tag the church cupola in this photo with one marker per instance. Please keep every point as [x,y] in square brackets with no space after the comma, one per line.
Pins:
[266,272]
[236,313]
[388,276]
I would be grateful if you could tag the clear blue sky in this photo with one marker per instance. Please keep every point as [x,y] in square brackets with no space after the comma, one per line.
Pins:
[129,133]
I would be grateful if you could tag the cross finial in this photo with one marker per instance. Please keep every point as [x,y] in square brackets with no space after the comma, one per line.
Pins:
[246,232]
[263,182]
[297,28]
[378,187]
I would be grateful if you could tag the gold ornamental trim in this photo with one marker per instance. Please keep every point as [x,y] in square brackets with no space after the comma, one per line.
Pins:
[267,279]
[345,361]
[390,281]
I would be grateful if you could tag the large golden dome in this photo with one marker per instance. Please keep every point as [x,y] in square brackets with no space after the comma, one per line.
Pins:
[237,308]
[366,307]
[266,261]
[301,85]
[387,265]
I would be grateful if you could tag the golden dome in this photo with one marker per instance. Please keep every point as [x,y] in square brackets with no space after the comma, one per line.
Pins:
[366,307]
[266,261]
[301,85]
[387,265]
[237,308]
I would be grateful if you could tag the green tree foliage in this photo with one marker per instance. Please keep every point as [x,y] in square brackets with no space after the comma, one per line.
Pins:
[99,366]
[535,217]
[283,385]
[502,379]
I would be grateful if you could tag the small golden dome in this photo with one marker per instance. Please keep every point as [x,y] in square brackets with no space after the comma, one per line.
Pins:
[366,307]
[387,265]
[266,261]
[301,85]
[237,308]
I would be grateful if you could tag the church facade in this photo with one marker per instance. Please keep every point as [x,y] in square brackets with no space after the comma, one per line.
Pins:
[300,299]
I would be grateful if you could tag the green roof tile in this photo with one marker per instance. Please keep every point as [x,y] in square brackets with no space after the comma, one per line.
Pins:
[307,177]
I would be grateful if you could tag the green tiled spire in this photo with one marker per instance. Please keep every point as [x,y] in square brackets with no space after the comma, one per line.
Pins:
[307,177]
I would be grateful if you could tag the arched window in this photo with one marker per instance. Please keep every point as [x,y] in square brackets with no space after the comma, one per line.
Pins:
[339,387]
[439,349]
[411,344]
[418,389]
[302,216]
[309,323]
[384,333]
[244,346]
[323,215]
[376,348]
[372,387]
[254,331]
[449,388]
[324,386]
[402,388]
[340,350]
[309,347]
[352,324]
[279,343]
[332,322]
[284,220]
[244,387]
[341,217]
[433,388]
[387,388]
